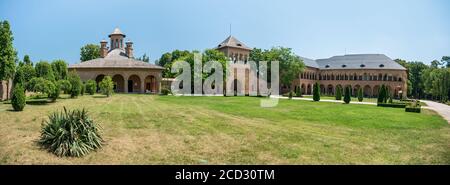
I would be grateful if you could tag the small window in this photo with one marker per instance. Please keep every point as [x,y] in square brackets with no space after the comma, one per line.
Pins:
[327,66]
[219,45]
[239,44]
[344,65]
[362,65]
[381,65]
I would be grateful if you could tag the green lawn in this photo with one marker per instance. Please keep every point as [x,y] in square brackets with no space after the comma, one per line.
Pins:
[149,129]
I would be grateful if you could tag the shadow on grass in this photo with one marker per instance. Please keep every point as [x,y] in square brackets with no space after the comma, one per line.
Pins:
[39,102]
[99,96]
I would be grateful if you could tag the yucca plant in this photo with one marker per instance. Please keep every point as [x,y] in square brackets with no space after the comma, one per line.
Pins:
[70,133]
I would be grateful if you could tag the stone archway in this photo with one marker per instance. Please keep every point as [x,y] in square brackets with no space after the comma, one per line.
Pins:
[375,90]
[330,90]
[119,83]
[134,84]
[367,91]
[355,90]
[150,84]
[303,89]
[236,86]
[308,90]
[322,89]
[98,79]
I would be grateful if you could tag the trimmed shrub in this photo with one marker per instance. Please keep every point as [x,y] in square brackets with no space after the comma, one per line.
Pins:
[298,92]
[65,86]
[54,94]
[390,100]
[290,94]
[83,89]
[360,95]
[106,86]
[70,133]
[18,98]
[338,93]
[413,109]
[91,87]
[381,93]
[316,92]
[75,83]
[165,91]
[347,97]
[394,105]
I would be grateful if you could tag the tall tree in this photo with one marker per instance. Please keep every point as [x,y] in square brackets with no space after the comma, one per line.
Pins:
[290,64]
[59,68]
[415,76]
[8,54]
[27,60]
[446,60]
[144,58]
[44,70]
[89,52]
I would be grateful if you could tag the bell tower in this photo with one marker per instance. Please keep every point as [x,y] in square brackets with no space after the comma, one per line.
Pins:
[117,39]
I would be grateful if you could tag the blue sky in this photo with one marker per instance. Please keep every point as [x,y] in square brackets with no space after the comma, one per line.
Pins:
[408,29]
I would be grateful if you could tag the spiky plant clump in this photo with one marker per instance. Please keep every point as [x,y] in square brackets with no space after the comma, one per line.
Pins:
[70,133]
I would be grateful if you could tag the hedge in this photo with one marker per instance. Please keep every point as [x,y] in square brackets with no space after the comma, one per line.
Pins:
[412,109]
[394,105]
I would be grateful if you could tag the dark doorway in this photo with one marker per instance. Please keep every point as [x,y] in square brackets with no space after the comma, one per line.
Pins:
[130,85]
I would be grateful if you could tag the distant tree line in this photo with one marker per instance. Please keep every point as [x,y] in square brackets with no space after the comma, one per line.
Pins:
[428,81]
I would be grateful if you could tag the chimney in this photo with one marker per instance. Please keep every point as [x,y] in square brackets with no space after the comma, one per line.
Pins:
[129,49]
[103,48]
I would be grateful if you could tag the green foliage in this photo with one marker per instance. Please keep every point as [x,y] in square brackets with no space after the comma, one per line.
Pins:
[390,100]
[59,68]
[27,60]
[24,73]
[39,84]
[298,91]
[89,52]
[290,94]
[413,106]
[91,87]
[75,83]
[394,105]
[144,58]
[437,83]
[83,88]
[55,92]
[381,94]
[316,92]
[338,93]
[290,64]
[44,70]
[360,95]
[165,91]
[106,86]
[347,93]
[8,54]
[70,133]
[65,86]
[18,97]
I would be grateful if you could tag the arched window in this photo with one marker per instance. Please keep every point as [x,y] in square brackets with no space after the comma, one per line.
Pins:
[117,43]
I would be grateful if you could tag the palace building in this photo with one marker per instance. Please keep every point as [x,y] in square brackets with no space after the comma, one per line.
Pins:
[129,75]
[366,71]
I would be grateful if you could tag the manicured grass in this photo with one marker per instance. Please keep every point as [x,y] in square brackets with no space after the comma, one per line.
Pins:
[149,129]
